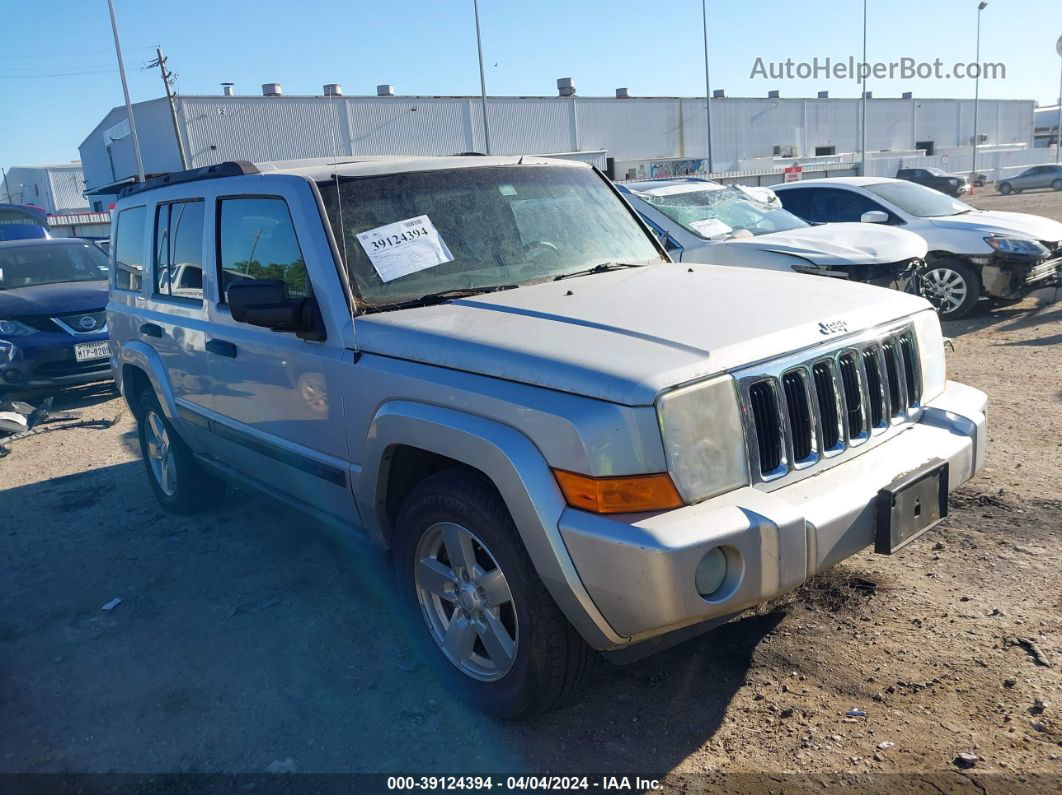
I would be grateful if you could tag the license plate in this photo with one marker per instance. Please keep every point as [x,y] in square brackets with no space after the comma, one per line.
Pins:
[911,505]
[86,351]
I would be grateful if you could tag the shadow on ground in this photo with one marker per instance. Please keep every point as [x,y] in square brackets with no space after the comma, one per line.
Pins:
[251,634]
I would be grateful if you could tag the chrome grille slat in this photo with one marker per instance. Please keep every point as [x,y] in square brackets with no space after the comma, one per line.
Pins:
[802,412]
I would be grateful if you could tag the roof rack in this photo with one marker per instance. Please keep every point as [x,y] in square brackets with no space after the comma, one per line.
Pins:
[232,168]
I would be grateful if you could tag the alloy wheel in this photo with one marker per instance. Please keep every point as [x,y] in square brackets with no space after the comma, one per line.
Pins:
[466,601]
[944,288]
[160,454]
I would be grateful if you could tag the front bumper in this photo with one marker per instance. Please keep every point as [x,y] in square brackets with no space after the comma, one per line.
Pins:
[640,574]
[1008,276]
[46,360]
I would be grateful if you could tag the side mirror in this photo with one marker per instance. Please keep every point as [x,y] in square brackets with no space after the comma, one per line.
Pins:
[874,217]
[266,303]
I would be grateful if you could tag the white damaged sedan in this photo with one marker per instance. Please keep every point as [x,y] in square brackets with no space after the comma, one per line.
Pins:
[702,221]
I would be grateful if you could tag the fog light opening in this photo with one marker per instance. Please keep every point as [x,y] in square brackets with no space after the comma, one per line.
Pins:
[711,572]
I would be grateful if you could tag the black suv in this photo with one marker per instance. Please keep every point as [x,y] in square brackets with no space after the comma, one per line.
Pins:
[934,178]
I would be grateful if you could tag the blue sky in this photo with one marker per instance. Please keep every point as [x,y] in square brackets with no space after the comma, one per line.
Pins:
[58,75]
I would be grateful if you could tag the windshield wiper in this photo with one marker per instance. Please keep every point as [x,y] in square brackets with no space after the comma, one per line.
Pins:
[441,297]
[603,267]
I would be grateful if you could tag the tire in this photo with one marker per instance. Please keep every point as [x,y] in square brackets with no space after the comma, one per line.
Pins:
[179,483]
[1004,188]
[953,287]
[512,651]
[1056,184]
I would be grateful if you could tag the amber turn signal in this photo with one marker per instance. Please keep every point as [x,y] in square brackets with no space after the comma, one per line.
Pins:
[631,494]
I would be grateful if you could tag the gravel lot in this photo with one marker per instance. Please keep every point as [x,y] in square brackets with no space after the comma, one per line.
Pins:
[252,636]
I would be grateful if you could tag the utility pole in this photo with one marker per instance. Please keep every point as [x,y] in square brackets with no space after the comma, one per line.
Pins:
[863,105]
[977,96]
[167,81]
[125,90]
[707,86]
[7,190]
[482,81]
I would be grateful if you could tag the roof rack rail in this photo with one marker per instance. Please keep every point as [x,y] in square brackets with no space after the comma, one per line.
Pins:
[232,168]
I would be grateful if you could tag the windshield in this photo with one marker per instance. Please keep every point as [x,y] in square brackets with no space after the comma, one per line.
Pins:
[405,236]
[937,172]
[917,199]
[28,266]
[720,212]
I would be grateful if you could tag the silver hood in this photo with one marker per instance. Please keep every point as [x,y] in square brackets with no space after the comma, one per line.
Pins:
[624,336]
[1023,225]
[841,244]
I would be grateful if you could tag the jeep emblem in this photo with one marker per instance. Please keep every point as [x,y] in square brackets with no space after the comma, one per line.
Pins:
[833,327]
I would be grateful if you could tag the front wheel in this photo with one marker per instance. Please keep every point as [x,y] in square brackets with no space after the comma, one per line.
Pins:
[179,484]
[481,615]
[1005,188]
[952,287]
[1057,184]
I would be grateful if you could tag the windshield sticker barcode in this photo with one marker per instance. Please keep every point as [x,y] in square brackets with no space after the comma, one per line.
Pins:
[404,247]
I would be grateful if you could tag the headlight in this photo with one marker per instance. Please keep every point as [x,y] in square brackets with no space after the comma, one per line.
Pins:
[930,353]
[1017,245]
[12,328]
[703,439]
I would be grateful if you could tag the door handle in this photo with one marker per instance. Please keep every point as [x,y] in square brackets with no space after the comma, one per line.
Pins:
[221,348]
[151,330]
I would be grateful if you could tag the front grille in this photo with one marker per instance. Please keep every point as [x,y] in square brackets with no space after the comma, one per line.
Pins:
[800,412]
[875,394]
[768,429]
[70,367]
[853,398]
[39,323]
[826,392]
[92,322]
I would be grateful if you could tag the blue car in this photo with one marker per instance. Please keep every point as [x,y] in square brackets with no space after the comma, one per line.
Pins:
[53,323]
[22,222]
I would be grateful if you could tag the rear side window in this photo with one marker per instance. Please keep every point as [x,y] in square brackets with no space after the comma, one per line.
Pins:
[129,249]
[179,250]
[256,240]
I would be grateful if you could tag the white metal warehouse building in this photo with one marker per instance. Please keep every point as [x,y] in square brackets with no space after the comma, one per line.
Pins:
[617,131]
[57,187]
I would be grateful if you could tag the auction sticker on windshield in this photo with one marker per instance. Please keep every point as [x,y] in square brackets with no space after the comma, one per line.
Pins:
[404,247]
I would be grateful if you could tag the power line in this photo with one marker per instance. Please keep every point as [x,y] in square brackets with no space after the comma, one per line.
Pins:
[58,74]
[67,53]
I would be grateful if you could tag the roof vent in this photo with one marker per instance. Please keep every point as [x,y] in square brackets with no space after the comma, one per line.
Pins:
[907,95]
[773,95]
[226,89]
[565,87]
[868,94]
[272,90]
[622,93]
[824,95]
[719,93]
[385,90]
[333,90]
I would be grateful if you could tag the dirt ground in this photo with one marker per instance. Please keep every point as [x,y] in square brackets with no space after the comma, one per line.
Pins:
[252,637]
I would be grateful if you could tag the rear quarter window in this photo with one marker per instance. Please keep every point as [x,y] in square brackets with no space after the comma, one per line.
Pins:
[129,249]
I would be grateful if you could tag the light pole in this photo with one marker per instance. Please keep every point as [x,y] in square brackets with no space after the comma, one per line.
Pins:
[863,106]
[707,85]
[977,95]
[125,90]
[1058,129]
[482,81]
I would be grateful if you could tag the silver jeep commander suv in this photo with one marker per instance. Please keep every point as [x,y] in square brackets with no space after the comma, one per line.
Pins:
[488,366]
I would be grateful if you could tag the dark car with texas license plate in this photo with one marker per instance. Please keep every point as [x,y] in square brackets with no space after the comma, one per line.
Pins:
[53,324]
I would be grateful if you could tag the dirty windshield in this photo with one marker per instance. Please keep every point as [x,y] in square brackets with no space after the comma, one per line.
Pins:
[720,212]
[408,235]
